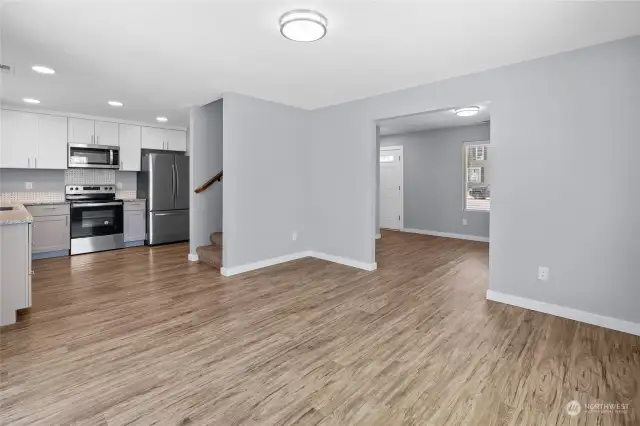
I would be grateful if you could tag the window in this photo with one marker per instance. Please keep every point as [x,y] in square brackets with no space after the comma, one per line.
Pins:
[477,183]
[386,158]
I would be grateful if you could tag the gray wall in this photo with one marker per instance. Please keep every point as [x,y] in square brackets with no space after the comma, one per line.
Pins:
[265,178]
[13,180]
[434,177]
[205,161]
[564,135]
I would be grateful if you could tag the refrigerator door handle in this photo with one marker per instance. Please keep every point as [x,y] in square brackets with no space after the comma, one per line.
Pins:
[173,183]
[177,182]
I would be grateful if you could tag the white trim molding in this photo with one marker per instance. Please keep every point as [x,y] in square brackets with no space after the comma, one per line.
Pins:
[345,261]
[193,257]
[564,312]
[447,235]
[228,272]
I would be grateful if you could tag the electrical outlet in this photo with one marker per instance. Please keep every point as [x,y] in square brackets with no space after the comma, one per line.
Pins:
[28,185]
[464,221]
[543,273]
[294,235]
[119,185]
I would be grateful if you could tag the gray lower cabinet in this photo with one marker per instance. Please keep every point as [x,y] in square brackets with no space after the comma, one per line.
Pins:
[50,233]
[135,221]
[51,230]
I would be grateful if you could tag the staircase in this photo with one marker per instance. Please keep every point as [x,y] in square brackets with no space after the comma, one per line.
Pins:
[212,254]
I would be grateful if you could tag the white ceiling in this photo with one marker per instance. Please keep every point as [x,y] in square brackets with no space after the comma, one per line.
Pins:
[162,57]
[432,120]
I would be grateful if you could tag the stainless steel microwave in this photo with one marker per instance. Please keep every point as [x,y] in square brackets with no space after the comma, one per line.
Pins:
[94,156]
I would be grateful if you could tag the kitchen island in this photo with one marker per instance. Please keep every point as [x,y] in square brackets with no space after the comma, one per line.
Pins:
[15,261]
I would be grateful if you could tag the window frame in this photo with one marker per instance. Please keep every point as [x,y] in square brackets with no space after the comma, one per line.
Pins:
[465,145]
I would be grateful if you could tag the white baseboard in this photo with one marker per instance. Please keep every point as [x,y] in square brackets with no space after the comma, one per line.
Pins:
[564,312]
[345,261]
[193,257]
[378,236]
[227,272]
[447,235]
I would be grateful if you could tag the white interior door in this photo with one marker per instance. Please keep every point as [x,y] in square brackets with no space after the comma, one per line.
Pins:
[391,188]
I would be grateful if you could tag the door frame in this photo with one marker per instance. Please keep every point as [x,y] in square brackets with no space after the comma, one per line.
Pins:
[393,148]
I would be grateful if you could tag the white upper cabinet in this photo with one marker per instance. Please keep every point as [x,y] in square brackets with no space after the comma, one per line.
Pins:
[33,141]
[39,141]
[130,147]
[164,139]
[81,131]
[177,140]
[19,139]
[106,133]
[52,142]
[153,138]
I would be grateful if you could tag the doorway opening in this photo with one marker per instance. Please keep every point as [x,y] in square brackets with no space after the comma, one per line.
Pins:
[434,181]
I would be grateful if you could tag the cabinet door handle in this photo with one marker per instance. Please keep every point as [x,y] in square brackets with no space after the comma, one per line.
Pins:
[66,221]
[35,163]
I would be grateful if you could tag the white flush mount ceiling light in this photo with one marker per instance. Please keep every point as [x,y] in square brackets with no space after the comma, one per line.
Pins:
[162,119]
[31,100]
[115,103]
[467,112]
[43,70]
[303,25]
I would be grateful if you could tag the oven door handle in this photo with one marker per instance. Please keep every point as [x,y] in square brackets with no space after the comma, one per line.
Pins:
[77,205]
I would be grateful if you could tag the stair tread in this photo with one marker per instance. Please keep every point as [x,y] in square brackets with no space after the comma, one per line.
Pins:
[211,255]
[216,239]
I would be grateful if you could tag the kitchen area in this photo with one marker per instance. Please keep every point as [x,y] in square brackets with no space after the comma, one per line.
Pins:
[71,185]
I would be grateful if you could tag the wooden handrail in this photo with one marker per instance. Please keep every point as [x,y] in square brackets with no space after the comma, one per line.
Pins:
[208,183]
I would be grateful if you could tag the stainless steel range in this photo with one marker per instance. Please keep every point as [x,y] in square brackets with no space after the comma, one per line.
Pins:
[96,218]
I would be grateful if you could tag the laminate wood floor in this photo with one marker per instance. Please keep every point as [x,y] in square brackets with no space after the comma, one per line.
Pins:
[139,336]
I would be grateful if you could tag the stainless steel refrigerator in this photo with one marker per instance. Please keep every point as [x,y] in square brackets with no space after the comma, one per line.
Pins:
[164,181]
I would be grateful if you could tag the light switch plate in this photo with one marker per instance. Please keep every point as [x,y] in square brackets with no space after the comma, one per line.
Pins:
[464,221]
[119,185]
[28,185]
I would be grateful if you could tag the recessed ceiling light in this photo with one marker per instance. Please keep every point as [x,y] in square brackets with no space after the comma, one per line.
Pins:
[31,100]
[162,119]
[303,25]
[115,103]
[43,70]
[467,112]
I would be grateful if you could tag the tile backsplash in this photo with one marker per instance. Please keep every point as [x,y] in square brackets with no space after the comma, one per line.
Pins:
[22,197]
[48,185]
[89,177]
